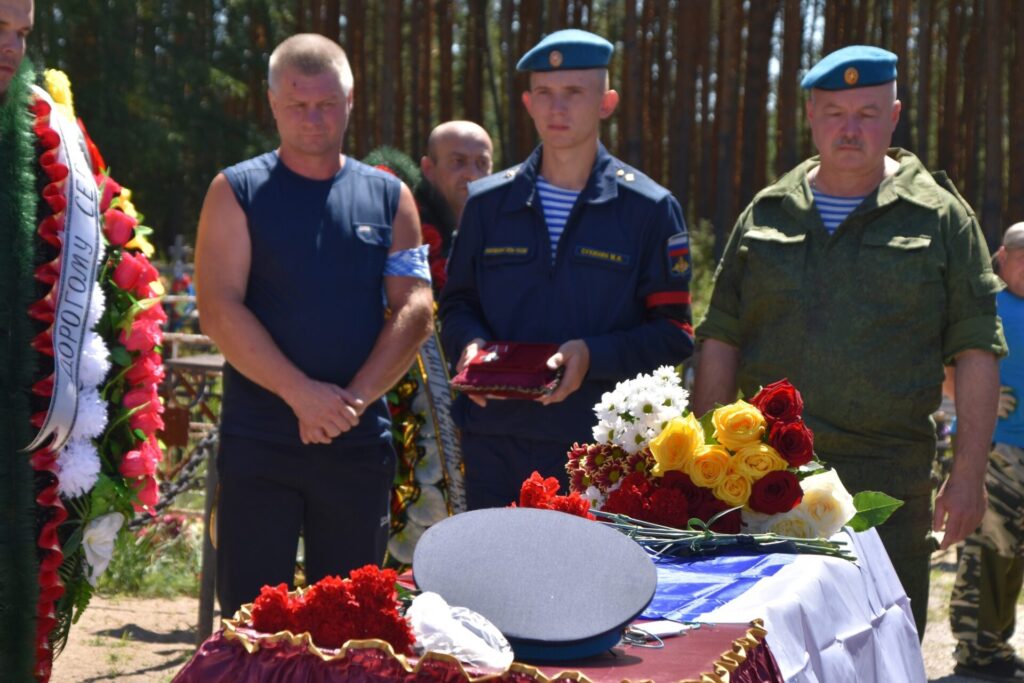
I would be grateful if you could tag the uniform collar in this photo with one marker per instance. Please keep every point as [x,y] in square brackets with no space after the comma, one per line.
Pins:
[911,182]
[600,187]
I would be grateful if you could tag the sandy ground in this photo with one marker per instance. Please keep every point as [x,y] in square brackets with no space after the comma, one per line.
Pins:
[136,641]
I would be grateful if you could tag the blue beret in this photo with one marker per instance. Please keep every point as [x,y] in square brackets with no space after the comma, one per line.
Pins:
[567,49]
[559,587]
[855,66]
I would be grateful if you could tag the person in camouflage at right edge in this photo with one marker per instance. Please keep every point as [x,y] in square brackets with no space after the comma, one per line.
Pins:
[983,606]
[858,276]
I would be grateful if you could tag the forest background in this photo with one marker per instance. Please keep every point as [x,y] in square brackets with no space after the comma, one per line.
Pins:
[174,90]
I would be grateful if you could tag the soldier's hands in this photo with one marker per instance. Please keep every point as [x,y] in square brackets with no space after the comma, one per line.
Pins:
[1007,402]
[574,355]
[324,410]
[468,353]
[959,507]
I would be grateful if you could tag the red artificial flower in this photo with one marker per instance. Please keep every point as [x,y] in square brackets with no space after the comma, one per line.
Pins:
[110,190]
[148,494]
[775,492]
[271,611]
[669,507]
[148,420]
[779,401]
[141,461]
[118,227]
[794,441]
[143,335]
[155,313]
[140,396]
[146,369]
[128,271]
[95,158]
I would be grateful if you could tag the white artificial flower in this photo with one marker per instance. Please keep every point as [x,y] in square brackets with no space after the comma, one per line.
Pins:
[92,415]
[78,468]
[95,362]
[97,304]
[98,543]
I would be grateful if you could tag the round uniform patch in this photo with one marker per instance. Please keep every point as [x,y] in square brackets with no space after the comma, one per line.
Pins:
[555,58]
[851,76]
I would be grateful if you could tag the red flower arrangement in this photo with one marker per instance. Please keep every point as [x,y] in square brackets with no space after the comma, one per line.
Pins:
[541,493]
[335,610]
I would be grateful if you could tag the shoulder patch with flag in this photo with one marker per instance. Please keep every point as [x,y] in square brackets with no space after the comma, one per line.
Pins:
[678,249]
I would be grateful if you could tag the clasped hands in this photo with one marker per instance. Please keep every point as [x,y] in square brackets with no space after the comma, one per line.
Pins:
[573,355]
[324,410]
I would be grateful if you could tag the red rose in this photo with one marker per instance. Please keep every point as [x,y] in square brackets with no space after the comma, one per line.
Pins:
[669,507]
[775,492]
[155,313]
[110,190]
[148,420]
[118,227]
[148,275]
[141,461]
[779,401]
[146,369]
[141,396]
[711,506]
[794,441]
[271,611]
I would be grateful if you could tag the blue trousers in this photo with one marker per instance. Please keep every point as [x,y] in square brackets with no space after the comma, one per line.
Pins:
[337,495]
[497,466]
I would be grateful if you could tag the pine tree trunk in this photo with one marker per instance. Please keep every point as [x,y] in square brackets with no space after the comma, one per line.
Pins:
[755,99]
[726,97]
[992,202]
[924,81]
[446,94]
[900,33]
[631,131]
[786,153]
[1015,206]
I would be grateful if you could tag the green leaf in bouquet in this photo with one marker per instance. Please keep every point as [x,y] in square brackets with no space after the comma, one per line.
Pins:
[708,425]
[873,508]
[120,355]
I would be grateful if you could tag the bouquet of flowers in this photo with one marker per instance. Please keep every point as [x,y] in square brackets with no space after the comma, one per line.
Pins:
[748,467]
[335,610]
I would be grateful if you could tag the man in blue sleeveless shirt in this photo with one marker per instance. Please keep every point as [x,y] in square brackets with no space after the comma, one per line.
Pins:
[297,251]
[573,247]
[983,606]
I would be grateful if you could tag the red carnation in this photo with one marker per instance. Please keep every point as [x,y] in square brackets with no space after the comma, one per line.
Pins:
[779,401]
[629,498]
[794,441]
[572,504]
[536,492]
[271,611]
[775,492]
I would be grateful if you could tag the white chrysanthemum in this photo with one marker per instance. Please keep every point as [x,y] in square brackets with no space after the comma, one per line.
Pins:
[78,468]
[92,415]
[594,496]
[97,304]
[638,409]
[98,543]
[95,362]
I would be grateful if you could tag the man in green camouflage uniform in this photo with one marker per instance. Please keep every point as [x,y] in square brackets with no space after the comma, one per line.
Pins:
[983,607]
[858,275]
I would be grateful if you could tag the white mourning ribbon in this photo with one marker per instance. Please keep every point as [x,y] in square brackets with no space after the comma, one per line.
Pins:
[79,262]
[436,382]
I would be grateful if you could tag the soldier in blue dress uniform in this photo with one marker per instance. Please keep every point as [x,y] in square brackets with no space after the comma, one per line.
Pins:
[571,247]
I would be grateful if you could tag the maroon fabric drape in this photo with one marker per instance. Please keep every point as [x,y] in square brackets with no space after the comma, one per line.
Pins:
[683,657]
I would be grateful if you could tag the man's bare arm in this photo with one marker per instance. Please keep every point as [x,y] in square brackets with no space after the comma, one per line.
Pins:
[962,500]
[412,315]
[223,259]
[715,380]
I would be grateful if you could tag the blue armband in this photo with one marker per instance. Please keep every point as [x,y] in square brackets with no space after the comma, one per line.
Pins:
[409,263]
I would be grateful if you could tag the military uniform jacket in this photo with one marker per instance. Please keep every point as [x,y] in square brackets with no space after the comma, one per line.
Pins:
[861,321]
[620,281]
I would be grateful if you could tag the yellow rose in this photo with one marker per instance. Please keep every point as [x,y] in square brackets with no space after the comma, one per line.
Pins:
[709,466]
[676,445]
[734,489]
[738,424]
[756,460]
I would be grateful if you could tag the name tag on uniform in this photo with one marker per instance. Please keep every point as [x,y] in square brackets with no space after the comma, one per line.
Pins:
[602,255]
[506,250]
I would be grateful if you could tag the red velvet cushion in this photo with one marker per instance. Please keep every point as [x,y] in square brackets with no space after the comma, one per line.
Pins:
[510,370]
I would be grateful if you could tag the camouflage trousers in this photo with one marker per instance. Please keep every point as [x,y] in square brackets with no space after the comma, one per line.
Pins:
[983,606]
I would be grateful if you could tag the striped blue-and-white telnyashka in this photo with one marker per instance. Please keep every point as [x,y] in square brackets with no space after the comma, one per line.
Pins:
[834,210]
[557,203]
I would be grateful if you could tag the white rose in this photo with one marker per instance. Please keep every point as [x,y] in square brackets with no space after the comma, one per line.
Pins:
[826,502]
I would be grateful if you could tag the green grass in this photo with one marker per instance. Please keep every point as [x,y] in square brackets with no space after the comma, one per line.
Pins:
[161,561]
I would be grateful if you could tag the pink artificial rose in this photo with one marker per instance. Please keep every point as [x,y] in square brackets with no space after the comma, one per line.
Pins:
[126,275]
[148,494]
[118,227]
[148,420]
[141,396]
[147,369]
[155,312]
[148,275]
[110,190]
[143,335]
[137,463]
